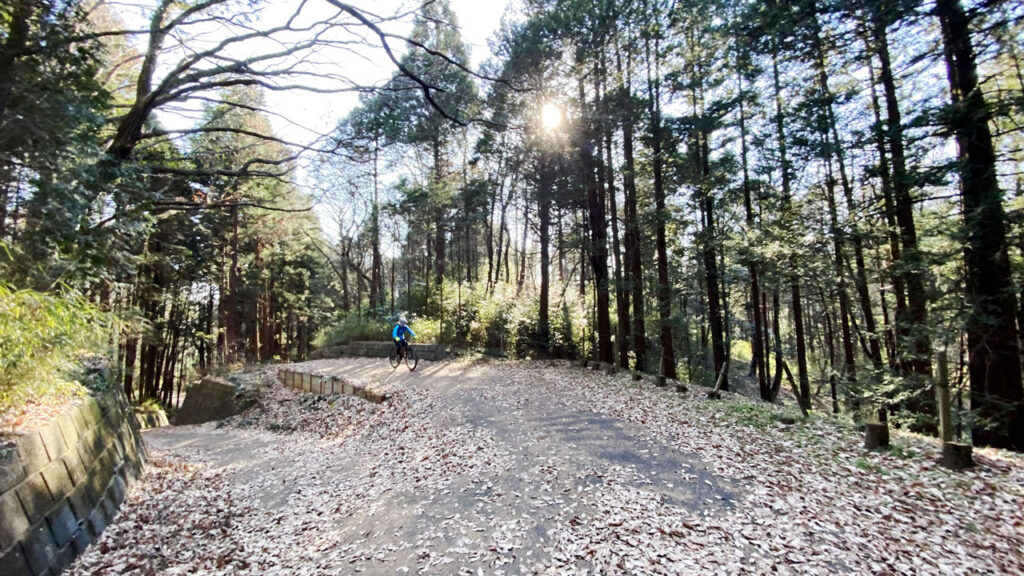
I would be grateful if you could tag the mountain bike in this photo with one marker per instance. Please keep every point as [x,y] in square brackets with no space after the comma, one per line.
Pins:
[405,354]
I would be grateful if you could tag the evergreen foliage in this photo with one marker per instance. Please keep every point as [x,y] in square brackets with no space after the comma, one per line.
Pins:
[832,187]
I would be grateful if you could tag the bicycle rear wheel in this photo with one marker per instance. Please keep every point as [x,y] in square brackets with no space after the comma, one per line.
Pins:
[410,358]
[393,358]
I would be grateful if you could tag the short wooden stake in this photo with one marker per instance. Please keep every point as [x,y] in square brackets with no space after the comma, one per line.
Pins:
[681,388]
[659,380]
[637,376]
[876,435]
[957,456]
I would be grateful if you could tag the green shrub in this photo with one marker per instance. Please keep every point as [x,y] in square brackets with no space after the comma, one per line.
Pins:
[567,322]
[505,322]
[502,322]
[463,307]
[427,330]
[42,338]
[352,328]
[742,352]
[375,327]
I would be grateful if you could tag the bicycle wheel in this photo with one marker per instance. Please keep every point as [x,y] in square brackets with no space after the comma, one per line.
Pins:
[393,358]
[410,358]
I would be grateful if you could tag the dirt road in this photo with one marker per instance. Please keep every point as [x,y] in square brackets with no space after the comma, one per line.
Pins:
[513,468]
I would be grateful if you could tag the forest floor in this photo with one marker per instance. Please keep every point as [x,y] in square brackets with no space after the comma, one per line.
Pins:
[543,468]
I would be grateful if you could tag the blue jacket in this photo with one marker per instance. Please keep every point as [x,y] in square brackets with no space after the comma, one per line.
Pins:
[400,331]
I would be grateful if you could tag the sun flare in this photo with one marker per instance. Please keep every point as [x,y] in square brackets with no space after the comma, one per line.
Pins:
[550,116]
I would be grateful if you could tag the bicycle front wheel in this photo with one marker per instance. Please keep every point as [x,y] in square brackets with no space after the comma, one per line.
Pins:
[394,358]
[410,358]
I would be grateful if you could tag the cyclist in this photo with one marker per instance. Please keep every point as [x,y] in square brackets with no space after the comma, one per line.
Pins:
[399,335]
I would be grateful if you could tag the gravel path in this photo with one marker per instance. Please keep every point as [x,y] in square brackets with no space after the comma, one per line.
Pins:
[523,468]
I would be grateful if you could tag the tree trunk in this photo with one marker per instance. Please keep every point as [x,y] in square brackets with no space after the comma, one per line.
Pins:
[801,345]
[598,234]
[777,344]
[129,130]
[833,147]
[632,237]
[544,221]
[918,354]
[440,224]
[758,350]
[377,262]
[801,348]
[346,298]
[885,176]
[267,340]
[849,365]
[521,268]
[702,152]
[621,293]
[231,317]
[664,291]
[632,261]
[714,296]
[131,345]
[17,37]
[490,239]
[830,345]
[499,245]
[994,365]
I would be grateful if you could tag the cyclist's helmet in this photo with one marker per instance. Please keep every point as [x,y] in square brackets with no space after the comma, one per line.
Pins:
[402,321]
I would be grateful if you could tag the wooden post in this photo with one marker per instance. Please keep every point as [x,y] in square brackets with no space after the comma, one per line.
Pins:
[717,392]
[942,396]
[876,435]
[956,456]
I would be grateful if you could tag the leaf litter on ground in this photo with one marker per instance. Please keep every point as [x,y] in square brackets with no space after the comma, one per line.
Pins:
[810,499]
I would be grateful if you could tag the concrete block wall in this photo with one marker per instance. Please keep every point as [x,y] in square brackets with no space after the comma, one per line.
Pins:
[61,485]
[147,419]
[329,384]
[329,352]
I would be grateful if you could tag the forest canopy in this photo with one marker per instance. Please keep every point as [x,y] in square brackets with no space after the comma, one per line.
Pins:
[804,198]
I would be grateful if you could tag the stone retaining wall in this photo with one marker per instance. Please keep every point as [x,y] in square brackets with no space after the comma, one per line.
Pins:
[376,349]
[61,485]
[329,384]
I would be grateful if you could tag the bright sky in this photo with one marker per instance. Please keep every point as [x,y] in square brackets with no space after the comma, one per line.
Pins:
[303,116]
[478,20]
